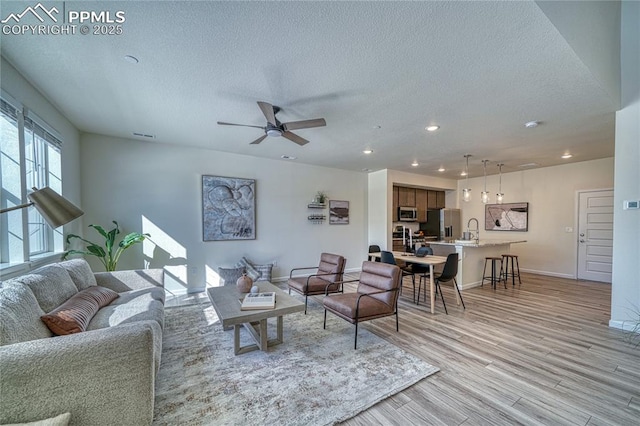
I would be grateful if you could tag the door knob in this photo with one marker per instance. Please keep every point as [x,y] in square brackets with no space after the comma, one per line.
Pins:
[581,240]
[582,234]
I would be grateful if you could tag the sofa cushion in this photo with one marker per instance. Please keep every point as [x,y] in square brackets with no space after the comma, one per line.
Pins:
[248,268]
[73,316]
[230,275]
[148,294]
[61,420]
[80,273]
[264,271]
[20,315]
[51,285]
[135,310]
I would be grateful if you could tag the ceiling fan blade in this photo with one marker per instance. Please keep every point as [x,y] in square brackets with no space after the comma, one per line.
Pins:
[304,124]
[295,138]
[222,123]
[257,141]
[267,110]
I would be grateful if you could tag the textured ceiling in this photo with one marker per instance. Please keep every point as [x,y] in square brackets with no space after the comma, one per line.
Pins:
[378,72]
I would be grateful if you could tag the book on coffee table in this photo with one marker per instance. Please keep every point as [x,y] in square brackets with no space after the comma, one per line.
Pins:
[258,301]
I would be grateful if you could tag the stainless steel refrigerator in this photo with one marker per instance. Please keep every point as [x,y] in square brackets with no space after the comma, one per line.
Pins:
[450,224]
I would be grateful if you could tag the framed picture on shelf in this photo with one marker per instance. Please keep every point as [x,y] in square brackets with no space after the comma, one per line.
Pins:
[506,217]
[338,212]
[228,208]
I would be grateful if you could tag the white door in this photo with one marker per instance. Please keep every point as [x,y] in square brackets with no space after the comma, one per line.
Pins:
[595,235]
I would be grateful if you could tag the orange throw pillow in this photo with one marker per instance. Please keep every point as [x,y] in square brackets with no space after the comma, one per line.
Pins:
[73,316]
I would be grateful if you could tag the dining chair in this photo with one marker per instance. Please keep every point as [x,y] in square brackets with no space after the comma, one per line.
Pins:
[376,297]
[449,273]
[374,249]
[407,271]
[422,271]
[327,279]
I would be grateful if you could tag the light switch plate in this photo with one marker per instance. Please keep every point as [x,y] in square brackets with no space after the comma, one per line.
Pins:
[631,205]
[568,229]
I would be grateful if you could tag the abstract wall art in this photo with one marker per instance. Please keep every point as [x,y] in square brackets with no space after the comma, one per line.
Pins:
[506,217]
[228,208]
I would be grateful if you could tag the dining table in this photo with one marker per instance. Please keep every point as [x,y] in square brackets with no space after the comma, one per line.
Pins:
[429,261]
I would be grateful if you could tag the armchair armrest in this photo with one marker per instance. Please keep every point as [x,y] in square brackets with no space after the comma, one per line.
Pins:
[120,281]
[326,291]
[301,269]
[94,375]
[371,295]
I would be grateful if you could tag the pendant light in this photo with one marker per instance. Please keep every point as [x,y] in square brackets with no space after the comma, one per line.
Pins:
[500,195]
[466,192]
[484,197]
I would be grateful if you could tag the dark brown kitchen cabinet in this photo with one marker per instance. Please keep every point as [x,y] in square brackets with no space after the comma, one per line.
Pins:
[394,213]
[440,199]
[421,204]
[432,200]
[406,197]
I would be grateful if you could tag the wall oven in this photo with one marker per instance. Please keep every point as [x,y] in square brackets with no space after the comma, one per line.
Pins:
[407,214]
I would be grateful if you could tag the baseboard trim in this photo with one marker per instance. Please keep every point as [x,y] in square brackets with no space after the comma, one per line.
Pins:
[286,278]
[624,325]
[549,274]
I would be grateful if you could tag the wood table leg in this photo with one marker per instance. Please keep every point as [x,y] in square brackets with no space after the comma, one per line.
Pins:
[432,295]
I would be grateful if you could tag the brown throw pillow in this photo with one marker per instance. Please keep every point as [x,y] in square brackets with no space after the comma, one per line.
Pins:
[73,316]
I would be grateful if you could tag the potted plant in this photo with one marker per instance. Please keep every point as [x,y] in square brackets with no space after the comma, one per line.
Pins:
[106,254]
[321,197]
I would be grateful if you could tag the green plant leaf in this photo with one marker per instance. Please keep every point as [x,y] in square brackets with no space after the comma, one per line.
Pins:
[131,239]
[100,230]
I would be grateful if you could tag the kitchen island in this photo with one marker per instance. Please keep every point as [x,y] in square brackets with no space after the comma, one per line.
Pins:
[472,256]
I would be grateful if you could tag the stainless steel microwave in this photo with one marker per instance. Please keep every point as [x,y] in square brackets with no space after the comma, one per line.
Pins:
[407,214]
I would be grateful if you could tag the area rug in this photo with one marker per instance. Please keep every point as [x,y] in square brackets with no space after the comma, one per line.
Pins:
[314,378]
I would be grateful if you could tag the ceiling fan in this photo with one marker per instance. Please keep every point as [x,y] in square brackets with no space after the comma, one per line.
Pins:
[275,128]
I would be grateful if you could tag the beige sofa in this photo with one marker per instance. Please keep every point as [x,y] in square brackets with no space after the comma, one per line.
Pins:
[102,376]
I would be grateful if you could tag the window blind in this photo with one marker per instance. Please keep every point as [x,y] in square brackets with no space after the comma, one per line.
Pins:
[42,133]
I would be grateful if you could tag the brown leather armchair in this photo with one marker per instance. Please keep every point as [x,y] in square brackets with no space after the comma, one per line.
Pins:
[376,296]
[327,279]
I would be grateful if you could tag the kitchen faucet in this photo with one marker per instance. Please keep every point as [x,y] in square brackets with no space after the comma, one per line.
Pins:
[477,230]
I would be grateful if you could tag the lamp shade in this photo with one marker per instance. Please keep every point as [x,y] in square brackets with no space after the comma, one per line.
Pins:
[53,207]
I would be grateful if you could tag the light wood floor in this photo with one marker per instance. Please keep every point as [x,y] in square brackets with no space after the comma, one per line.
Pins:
[536,353]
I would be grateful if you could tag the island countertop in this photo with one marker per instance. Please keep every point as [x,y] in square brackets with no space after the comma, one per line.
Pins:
[473,244]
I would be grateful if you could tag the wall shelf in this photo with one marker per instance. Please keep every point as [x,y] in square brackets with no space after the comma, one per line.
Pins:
[317,218]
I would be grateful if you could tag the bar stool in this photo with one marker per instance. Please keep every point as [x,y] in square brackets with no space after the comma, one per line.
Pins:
[495,276]
[515,271]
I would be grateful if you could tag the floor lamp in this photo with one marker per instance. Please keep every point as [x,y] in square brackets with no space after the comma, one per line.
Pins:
[54,208]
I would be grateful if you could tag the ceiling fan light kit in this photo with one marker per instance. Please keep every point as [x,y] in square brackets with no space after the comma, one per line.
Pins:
[275,128]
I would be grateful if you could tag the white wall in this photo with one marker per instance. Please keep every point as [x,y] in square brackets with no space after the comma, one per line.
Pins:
[625,297]
[552,196]
[157,188]
[16,86]
[379,202]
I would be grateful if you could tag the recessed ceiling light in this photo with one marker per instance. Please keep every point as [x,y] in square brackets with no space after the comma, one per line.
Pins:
[463,173]
[432,128]
[288,157]
[368,151]
[441,169]
[531,124]
[131,59]
[567,155]
[529,165]
[377,127]
[366,170]
[415,164]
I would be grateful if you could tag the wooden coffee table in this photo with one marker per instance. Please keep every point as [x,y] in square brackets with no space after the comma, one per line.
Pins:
[225,301]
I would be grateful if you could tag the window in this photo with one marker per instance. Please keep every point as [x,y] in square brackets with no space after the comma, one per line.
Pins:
[29,157]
